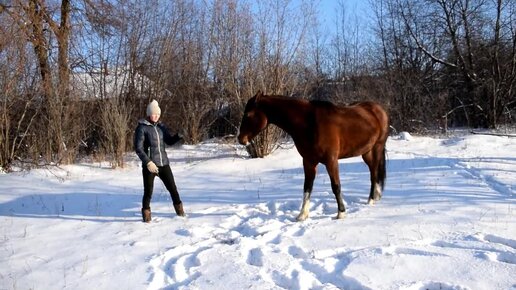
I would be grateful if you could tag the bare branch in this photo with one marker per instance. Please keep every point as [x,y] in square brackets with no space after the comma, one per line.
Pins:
[419,43]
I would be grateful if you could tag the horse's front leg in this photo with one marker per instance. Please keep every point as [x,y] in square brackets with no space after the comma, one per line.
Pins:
[310,170]
[333,171]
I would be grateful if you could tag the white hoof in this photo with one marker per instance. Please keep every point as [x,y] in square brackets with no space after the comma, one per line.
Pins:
[370,201]
[341,215]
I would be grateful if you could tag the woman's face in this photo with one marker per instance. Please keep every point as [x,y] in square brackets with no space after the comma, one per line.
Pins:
[154,118]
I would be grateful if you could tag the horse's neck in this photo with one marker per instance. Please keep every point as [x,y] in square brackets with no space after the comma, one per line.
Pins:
[286,113]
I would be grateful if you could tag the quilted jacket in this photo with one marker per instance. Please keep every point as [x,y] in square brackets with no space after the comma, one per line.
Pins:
[150,140]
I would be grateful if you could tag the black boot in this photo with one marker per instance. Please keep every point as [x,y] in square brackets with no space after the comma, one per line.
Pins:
[146,215]
[179,209]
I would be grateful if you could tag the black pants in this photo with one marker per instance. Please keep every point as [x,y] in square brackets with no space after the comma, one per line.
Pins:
[165,174]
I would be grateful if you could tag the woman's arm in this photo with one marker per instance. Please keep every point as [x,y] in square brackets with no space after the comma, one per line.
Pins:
[139,139]
[168,138]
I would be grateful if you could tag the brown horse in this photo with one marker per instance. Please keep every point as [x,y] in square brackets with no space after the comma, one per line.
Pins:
[324,133]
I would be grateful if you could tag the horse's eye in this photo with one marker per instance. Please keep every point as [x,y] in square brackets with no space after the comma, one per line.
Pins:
[249,114]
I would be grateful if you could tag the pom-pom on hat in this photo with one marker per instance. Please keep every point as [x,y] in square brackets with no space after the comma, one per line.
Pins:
[153,108]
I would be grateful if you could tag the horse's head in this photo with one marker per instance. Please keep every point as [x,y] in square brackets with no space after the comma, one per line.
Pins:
[253,121]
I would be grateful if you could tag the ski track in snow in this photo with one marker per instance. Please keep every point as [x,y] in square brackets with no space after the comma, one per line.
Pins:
[491,181]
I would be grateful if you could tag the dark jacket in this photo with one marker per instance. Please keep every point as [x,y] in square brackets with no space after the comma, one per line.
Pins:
[150,140]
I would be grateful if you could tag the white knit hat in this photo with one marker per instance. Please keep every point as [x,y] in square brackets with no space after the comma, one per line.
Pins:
[153,108]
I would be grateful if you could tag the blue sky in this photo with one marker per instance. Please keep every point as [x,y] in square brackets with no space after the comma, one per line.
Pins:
[328,10]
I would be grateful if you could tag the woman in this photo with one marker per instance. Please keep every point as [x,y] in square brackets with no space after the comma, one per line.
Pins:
[149,143]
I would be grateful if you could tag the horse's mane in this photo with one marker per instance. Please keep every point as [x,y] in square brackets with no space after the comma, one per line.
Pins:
[315,103]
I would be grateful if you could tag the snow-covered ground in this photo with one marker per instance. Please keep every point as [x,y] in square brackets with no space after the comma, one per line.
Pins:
[447,220]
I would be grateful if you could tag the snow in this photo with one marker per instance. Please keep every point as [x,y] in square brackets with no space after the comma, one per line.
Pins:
[405,136]
[447,220]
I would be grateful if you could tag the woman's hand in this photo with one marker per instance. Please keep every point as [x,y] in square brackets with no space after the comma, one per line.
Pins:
[152,167]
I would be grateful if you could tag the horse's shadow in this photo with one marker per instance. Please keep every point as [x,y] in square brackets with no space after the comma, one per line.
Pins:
[407,181]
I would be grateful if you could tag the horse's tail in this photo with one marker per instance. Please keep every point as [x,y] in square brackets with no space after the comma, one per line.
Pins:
[383,122]
[382,172]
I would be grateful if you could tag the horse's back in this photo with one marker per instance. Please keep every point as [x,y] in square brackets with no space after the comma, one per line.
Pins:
[377,111]
[354,129]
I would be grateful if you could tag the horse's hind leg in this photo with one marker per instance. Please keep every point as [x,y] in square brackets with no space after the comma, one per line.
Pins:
[333,171]
[310,170]
[373,161]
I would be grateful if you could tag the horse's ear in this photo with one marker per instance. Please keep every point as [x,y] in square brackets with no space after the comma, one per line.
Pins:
[258,95]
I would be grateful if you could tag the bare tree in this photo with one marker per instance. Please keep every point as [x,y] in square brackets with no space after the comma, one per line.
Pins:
[474,47]
[282,32]
[402,71]
[36,20]
[78,74]
[18,109]
[115,73]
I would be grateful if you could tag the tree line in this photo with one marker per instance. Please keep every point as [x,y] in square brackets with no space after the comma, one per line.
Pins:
[76,75]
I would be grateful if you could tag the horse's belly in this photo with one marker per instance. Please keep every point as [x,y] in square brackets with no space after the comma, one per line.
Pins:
[353,150]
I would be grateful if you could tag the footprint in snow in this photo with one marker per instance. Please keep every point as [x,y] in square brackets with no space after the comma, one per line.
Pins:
[255,257]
